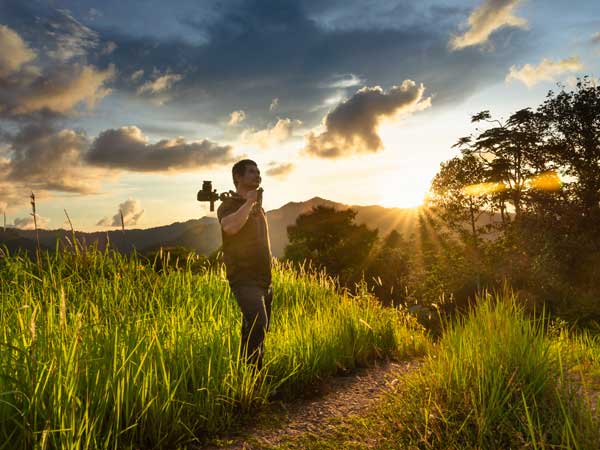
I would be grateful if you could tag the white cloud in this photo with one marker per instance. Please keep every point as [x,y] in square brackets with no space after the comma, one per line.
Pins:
[269,137]
[490,16]
[546,70]
[236,117]
[279,170]
[27,223]
[14,52]
[274,104]
[160,84]
[345,81]
[137,75]
[132,212]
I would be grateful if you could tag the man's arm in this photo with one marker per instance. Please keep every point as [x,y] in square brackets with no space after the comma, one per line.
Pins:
[234,222]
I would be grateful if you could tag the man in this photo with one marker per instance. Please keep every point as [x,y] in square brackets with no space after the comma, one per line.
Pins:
[247,255]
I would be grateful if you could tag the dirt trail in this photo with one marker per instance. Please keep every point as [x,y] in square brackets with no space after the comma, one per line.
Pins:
[336,397]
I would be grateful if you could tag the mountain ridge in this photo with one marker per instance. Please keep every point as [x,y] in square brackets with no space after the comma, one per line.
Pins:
[203,235]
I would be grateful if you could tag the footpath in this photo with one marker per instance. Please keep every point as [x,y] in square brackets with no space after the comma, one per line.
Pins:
[322,408]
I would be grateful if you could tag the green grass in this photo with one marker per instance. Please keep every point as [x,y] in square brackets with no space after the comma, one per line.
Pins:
[497,379]
[97,350]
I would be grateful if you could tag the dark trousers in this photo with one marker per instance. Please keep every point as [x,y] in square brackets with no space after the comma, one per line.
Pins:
[255,303]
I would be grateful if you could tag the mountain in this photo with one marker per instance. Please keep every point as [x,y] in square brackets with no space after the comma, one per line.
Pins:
[204,235]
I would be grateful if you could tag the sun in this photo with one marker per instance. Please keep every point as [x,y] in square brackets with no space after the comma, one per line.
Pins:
[399,190]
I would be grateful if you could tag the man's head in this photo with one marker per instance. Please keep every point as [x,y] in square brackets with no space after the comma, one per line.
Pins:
[246,174]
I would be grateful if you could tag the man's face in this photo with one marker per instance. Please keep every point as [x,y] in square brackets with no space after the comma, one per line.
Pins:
[251,178]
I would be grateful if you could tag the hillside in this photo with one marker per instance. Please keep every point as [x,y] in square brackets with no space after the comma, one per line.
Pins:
[204,236]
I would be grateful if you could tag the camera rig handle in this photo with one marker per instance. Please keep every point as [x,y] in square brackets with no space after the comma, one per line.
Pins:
[208,194]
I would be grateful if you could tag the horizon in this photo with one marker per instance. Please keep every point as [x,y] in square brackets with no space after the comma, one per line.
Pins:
[109,108]
[8,226]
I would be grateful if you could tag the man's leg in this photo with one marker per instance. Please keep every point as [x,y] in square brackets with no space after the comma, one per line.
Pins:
[252,301]
[268,304]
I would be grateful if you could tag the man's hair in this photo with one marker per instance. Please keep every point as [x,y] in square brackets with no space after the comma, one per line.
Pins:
[239,168]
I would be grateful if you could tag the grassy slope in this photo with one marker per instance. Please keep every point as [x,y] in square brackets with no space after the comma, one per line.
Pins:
[495,380]
[99,351]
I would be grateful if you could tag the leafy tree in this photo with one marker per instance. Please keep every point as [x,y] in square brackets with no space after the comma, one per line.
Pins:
[330,239]
[573,122]
[388,271]
[453,193]
[511,154]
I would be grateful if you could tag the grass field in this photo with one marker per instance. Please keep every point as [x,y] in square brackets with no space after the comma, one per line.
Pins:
[99,350]
[496,379]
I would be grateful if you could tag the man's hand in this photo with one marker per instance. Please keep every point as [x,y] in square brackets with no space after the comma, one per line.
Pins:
[252,196]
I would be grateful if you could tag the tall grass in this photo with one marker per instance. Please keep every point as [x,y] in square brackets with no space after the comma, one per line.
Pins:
[97,350]
[493,382]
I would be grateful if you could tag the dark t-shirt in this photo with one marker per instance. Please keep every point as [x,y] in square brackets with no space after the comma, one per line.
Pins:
[247,253]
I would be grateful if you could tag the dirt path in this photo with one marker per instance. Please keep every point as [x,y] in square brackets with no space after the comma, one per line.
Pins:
[335,398]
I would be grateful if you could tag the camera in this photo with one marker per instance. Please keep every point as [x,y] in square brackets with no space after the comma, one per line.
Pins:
[208,194]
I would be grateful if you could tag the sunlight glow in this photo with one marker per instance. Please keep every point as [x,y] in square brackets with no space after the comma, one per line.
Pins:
[400,190]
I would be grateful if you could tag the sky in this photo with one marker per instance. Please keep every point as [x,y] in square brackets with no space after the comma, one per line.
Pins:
[128,106]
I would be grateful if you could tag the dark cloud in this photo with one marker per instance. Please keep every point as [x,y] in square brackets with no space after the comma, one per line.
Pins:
[42,157]
[352,126]
[67,38]
[127,148]
[275,169]
[259,50]
[131,210]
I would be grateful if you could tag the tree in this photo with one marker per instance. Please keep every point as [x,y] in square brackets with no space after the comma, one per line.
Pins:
[454,195]
[573,121]
[330,239]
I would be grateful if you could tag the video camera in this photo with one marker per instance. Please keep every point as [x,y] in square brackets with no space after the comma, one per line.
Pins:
[207,194]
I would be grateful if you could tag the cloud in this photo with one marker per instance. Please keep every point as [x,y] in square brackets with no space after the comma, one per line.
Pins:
[490,16]
[108,48]
[547,70]
[344,81]
[159,84]
[294,52]
[132,212]
[66,38]
[57,91]
[127,148]
[352,126]
[27,223]
[279,170]
[596,38]
[274,104]
[42,158]
[269,137]
[236,117]
[14,52]
[137,75]
[27,89]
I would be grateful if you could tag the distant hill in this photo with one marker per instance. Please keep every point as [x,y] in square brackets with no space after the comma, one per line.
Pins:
[204,235]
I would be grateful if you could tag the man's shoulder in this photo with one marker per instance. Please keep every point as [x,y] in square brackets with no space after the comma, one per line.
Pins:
[229,205]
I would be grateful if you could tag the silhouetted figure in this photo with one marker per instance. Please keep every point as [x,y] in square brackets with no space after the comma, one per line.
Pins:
[247,255]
